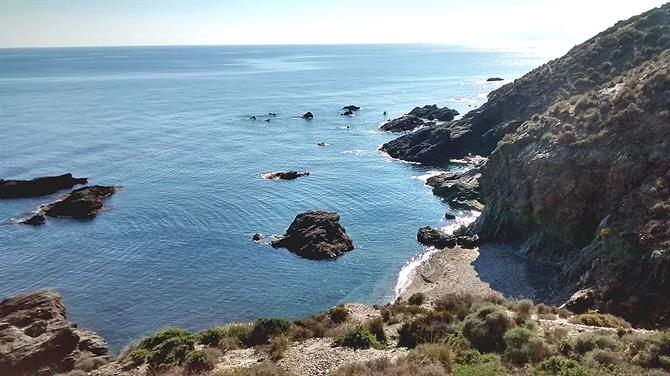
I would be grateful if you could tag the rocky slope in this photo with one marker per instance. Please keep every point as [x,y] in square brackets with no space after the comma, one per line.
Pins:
[606,56]
[587,184]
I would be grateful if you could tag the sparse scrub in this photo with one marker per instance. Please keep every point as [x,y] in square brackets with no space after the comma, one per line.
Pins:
[264,329]
[600,319]
[339,313]
[164,349]
[486,327]
[359,338]
[426,328]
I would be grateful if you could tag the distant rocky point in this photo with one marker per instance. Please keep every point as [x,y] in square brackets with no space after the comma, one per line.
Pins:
[38,186]
[316,235]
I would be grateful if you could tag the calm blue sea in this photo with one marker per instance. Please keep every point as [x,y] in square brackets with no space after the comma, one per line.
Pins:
[170,125]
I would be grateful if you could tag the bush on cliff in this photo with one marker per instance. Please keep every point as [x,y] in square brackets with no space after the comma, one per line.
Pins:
[426,328]
[486,327]
[167,348]
[523,346]
[265,328]
[359,338]
[600,319]
[338,313]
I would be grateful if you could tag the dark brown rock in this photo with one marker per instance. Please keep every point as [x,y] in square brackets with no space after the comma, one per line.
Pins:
[435,238]
[351,107]
[307,115]
[81,203]
[316,235]
[432,112]
[38,187]
[36,338]
[35,220]
[494,79]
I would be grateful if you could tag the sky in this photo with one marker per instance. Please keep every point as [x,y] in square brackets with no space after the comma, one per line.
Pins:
[484,23]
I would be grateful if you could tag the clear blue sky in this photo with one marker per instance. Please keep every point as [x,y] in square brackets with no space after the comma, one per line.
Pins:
[31,23]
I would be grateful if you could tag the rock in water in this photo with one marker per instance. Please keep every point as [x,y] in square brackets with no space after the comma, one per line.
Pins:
[281,175]
[84,202]
[307,115]
[460,190]
[35,220]
[347,113]
[493,79]
[403,124]
[436,238]
[38,187]
[37,339]
[431,112]
[351,107]
[316,235]
[257,237]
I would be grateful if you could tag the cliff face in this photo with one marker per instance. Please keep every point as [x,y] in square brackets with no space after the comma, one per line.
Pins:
[587,66]
[586,184]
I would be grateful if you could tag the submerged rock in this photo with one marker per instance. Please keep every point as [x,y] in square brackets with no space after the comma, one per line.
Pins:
[307,115]
[41,341]
[316,235]
[257,237]
[351,107]
[82,203]
[347,113]
[403,124]
[435,238]
[449,216]
[284,175]
[35,220]
[431,112]
[39,186]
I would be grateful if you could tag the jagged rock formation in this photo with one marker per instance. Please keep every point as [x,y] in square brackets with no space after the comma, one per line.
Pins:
[595,62]
[432,112]
[460,190]
[404,123]
[38,186]
[82,203]
[316,235]
[37,339]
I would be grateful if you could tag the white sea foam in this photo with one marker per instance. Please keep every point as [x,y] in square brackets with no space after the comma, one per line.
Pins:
[463,218]
[389,158]
[407,272]
[429,174]
[356,152]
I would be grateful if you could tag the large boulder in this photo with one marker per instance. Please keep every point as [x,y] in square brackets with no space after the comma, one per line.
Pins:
[37,339]
[315,235]
[38,186]
[403,124]
[351,107]
[432,112]
[435,238]
[84,202]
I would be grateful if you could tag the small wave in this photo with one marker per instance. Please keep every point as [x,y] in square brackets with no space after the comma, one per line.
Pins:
[463,218]
[408,270]
[356,152]
[429,174]
[470,160]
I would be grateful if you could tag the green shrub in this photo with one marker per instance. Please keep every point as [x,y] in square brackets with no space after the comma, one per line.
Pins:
[417,299]
[311,327]
[523,310]
[225,337]
[650,350]
[211,336]
[440,353]
[458,305]
[278,346]
[198,361]
[376,327]
[427,328]
[586,342]
[486,327]
[601,320]
[472,356]
[523,346]
[560,366]
[490,366]
[165,348]
[600,357]
[359,338]
[338,313]
[263,329]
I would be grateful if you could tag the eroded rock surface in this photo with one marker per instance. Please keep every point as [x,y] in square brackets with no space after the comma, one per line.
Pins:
[38,186]
[404,124]
[37,339]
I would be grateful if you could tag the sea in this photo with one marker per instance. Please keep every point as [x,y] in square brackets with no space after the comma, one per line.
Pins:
[171,126]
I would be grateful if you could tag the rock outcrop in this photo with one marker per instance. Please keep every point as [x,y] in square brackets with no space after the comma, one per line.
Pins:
[307,115]
[460,190]
[82,203]
[351,107]
[439,239]
[432,112]
[595,62]
[284,175]
[38,186]
[316,235]
[404,124]
[586,185]
[37,339]
[494,79]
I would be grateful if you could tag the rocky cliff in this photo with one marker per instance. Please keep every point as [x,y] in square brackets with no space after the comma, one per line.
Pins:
[597,61]
[579,167]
